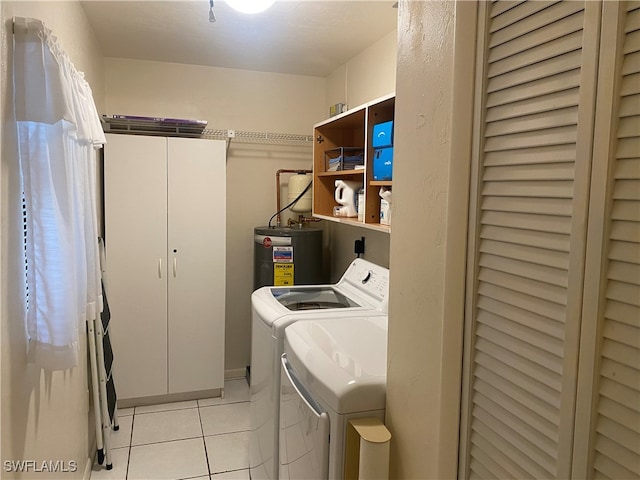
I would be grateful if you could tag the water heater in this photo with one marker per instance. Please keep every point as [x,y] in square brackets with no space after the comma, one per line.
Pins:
[287,256]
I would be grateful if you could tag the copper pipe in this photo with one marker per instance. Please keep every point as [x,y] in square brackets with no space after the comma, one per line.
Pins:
[282,170]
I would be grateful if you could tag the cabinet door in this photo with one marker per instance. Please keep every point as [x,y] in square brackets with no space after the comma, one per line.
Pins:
[135,190]
[197,241]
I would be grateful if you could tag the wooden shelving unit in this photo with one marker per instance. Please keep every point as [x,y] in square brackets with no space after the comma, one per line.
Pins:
[350,129]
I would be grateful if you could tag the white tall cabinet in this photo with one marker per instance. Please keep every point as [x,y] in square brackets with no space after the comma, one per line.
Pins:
[165,248]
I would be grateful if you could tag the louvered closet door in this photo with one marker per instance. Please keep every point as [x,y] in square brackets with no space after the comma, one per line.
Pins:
[531,167]
[608,404]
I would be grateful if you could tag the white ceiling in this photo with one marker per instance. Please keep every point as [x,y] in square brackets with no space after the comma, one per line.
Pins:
[305,37]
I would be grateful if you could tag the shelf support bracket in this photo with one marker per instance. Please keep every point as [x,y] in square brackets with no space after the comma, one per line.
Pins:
[230,134]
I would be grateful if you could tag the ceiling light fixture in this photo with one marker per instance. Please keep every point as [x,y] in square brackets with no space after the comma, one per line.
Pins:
[250,6]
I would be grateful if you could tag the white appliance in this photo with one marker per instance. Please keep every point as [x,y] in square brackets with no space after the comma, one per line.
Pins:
[362,291]
[332,371]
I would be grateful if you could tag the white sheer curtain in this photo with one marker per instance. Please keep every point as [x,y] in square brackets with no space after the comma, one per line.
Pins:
[58,129]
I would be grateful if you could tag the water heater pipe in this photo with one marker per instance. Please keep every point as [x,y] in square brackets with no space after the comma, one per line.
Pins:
[282,170]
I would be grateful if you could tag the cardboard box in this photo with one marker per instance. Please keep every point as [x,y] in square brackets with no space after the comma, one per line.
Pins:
[382,135]
[337,109]
[383,163]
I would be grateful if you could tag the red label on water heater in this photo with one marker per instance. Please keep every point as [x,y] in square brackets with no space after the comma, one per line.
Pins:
[266,243]
[283,254]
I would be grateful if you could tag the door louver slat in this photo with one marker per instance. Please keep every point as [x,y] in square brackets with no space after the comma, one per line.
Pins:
[530,139]
[524,285]
[541,70]
[546,429]
[540,36]
[617,412]
[533,90]
[502,7]
[547,14]
[519,395]
[625,456]
[522,364]
[503,428]
[541,206]
[544,240]
[628,168]
[533,54]
[518,14]
[521,325]
[526,350]
[528,106]
[533,121]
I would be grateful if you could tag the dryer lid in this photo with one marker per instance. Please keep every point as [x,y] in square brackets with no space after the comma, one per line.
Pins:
[342,361]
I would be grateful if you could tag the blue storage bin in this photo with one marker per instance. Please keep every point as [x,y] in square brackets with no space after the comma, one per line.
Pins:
[383,163]
[382,135]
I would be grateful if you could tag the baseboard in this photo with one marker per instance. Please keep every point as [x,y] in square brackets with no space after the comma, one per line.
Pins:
[235,373]
[93,448]
[87,469]
[179,397]
[171,397]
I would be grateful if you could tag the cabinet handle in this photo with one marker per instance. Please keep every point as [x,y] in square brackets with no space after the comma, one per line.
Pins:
[159,268]
[175,266]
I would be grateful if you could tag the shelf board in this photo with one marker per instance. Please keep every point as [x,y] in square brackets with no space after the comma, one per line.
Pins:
[339,173]
[381,183]
[379,227]
[355,223]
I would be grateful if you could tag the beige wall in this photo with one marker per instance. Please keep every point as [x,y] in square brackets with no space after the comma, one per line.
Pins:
[431,171]
[239,100]
[225,98]
[369,75]
[341,243]
[44,415]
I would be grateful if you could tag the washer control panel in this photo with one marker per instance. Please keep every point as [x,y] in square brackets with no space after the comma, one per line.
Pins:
[367,278]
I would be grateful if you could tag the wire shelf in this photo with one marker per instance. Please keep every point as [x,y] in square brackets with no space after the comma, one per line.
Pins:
[265,138]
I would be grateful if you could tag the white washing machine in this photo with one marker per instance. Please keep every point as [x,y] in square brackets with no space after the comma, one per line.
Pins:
[332,371]
[362,291]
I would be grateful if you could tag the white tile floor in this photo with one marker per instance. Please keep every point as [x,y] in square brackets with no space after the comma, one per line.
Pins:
[199,440]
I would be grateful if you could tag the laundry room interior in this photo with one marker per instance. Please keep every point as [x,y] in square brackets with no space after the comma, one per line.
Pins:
[485,261]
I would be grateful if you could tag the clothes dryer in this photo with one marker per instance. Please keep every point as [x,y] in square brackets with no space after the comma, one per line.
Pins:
[362,291]
[332,371]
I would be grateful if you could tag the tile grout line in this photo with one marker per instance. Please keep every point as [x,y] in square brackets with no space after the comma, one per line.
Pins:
[204,443]
[167,441]
[168,409]
[198,406]
[133,419]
